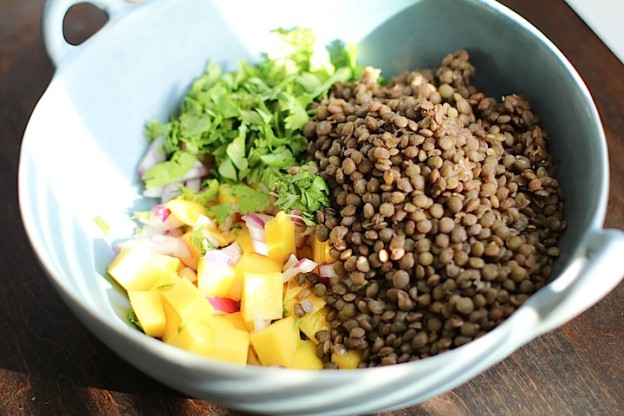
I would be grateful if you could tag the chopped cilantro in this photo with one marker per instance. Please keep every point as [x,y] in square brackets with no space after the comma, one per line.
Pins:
[209,192]
[303,190]
[221,211]
[170,170]
[102,225]
[249,199]
[249,121]
[133,319]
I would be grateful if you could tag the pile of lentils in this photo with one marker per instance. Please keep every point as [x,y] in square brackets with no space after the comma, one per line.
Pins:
[444,216]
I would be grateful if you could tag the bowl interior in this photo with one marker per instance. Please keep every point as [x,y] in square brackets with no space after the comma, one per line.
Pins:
[85,138]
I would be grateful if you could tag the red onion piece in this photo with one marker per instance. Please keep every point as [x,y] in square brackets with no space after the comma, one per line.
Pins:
[153,155]
[327,270]
[224,305]
[304,265]
[260,247]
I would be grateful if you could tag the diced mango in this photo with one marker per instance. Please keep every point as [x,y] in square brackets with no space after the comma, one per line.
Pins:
[137,268]
[234,320]
[214,279]
[149,311]
[244,240]
[251,263]
[165,281]
[230,344]
[310,324]
[186,211]
[222,239]
[188,273]
[172,321]
[193,336]
[184,302]
[305,357]
[320,251]
[280,237]
[347,360]
[291,297]
[276,344]
[190,241]
[262,296]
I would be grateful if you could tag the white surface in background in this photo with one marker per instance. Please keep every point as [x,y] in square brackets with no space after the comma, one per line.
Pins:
[606,19]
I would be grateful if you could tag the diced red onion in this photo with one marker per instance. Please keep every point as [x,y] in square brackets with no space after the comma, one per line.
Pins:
[297,217]
[170,191]
[210,238]
[175,247]
[193,184]
[224,305]
[164,244]
[161,220]
[304,265]
[154,155]
[197,170]
[292,260]
[260,247]
[161,212]
[256,220]
[234,251]
[204,221]
[219,257]
[257,234]
[327,270]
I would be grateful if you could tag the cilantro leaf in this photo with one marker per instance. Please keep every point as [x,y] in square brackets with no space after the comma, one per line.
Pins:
[101,224]
[221,212]
[204,196]
[169,170]
[133,319]
[249,200]
[303,191]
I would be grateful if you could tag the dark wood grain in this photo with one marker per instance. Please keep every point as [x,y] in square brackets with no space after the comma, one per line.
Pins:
[51,365]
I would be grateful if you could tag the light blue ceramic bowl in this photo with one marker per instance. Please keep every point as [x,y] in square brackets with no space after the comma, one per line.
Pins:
[83,143]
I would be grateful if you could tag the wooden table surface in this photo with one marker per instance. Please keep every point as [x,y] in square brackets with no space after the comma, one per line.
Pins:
[50,364]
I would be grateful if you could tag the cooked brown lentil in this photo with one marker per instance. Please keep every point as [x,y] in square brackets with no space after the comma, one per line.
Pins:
[444,215]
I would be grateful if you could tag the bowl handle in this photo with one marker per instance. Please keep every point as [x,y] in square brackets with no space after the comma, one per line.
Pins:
[52,18]
[588,279]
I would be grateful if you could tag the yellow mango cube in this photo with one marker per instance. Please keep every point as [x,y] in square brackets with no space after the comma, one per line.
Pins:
[186,211]
[291,297]
[320,252]
[262,297]
[165,281]
[244,240]
[347,359]
[310,324]
[184,302]
[280,237]
[148,308]
[234,320]
[137,268]
[214,279]
[195,337]
[305,357]
[276,344]
[251,262]
[230,344]
[192,244]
